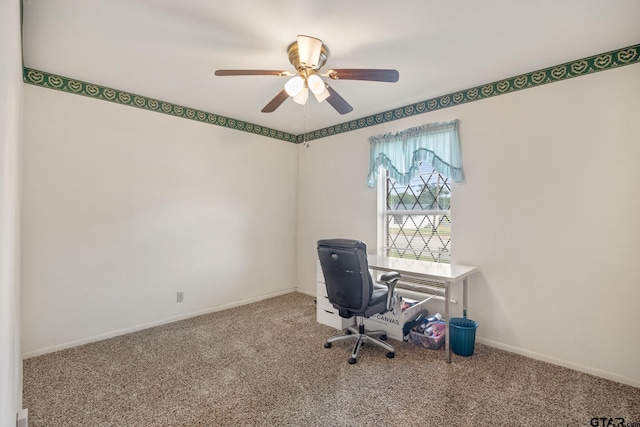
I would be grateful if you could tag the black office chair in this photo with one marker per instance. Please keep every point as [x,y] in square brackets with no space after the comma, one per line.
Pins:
[352,291]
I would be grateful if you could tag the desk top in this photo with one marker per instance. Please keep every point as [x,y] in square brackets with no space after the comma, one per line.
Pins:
[424,269]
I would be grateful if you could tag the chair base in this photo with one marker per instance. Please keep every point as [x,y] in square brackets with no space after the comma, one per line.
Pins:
[361,336]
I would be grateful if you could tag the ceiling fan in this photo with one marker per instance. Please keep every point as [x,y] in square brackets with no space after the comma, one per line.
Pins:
[308,55]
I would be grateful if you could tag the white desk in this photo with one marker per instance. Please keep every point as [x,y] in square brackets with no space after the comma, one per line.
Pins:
[440,272]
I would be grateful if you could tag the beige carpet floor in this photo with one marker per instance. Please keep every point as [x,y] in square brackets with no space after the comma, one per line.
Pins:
[264,364]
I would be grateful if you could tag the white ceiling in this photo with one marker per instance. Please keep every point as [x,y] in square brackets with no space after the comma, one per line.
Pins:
[169,49]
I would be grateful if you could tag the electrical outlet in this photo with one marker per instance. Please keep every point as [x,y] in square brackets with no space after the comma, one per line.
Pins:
[180,297]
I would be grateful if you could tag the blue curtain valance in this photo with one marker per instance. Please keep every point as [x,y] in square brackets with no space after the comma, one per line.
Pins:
[402,152]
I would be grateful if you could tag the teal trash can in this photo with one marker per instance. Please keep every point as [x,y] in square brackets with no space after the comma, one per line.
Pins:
[462,334]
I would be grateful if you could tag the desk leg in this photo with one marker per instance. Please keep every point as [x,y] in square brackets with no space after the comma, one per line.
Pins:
[464,297]
[447,340]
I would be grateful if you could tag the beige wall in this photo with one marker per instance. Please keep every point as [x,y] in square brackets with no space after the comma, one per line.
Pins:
[549,213]
[10,128]
[123,208]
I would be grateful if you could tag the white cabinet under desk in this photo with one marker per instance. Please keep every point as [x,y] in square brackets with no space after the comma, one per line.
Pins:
[325,312]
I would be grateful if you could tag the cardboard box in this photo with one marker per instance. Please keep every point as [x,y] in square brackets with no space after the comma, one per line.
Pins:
[392,321]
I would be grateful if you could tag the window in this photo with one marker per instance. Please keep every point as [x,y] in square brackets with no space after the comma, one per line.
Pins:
[416,218]
[414,199]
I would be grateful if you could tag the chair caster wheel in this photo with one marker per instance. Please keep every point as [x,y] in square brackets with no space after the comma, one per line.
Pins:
[352,360]
[327,345]
[391,355]
[347,332]
[383,337]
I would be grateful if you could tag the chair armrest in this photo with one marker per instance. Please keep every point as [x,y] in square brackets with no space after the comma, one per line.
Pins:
[390,279]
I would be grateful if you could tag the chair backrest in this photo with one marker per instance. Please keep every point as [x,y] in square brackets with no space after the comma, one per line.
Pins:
[346,273]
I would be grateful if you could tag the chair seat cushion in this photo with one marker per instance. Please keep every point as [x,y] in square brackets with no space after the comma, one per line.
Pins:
[377,303]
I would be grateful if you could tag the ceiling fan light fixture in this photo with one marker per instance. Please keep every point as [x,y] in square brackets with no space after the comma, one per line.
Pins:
[302,96]
[294,86]
[316,84]
[322,95]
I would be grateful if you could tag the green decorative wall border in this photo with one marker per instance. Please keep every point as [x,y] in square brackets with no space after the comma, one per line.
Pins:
[604,61]
[601,62]
[65,84]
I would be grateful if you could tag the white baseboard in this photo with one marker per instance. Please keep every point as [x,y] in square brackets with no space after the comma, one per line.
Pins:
[527,353]
[561,362]
[306,292]
[172,319]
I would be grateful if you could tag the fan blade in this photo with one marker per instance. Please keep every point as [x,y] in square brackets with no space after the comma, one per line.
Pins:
[338,102]
[309,49]
[369,74]
[252,73]
[275,102]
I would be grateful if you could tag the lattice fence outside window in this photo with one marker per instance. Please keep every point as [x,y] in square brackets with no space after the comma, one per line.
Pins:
[418,217]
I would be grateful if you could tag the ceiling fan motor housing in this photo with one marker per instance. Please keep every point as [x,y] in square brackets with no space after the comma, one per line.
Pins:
[294,58]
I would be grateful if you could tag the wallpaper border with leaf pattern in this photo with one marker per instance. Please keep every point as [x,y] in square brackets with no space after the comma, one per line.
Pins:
[66,84]
[581,67]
